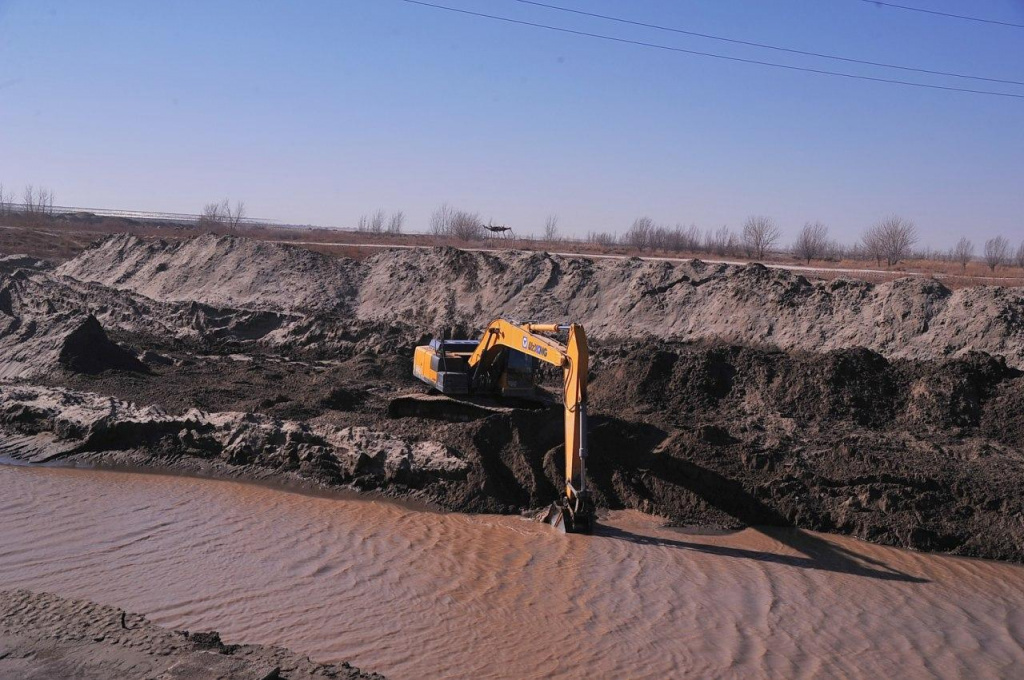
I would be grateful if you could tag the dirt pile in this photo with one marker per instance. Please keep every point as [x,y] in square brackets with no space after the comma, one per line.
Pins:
[12,263]
[48,321]
[222,271]
[46,424]
[913,454]
[917,454]
[908,318]
[38,334]
[46,636]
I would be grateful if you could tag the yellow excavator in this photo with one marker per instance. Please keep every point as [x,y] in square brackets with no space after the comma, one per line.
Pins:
[505,361]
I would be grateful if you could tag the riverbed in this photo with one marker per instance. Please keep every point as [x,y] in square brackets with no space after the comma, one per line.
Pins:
[412,593]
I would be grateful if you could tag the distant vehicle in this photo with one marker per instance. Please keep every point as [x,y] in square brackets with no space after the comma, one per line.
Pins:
[500,230]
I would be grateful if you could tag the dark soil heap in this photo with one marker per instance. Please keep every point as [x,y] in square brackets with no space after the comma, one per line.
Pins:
[915,454]
[87,349]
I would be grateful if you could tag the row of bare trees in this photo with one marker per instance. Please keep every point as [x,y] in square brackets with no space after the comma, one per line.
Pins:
[6,201]
[461,225]
[35,201]
[378,222]
[997,252]
[890,241]
[758,238]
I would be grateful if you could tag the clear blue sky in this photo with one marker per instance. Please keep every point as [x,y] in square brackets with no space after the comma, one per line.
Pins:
[320,111]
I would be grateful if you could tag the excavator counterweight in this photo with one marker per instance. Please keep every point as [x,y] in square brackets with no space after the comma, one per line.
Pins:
[504,362]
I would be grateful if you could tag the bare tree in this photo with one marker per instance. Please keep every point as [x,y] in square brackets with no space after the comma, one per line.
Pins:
[211,216]
[812,242]
[721,241]
[836,251]
[760,234]
[962,252]
[28,200]
[659,238]
[372,223]
[997,252]
[5,201]
[377,220]
[467,226]
[891,240]
[1020,255]
[234,217]
[37,202]
[601,238]
[441,220]
[639,234]
[678,239]
[220,215]
[685,240]
[396,222]
[551,229]
[872,241]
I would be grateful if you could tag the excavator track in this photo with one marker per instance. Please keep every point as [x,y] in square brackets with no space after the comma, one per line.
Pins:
[460,409]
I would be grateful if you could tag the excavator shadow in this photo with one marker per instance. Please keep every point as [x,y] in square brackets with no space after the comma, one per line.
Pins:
[817,553]
[638,452]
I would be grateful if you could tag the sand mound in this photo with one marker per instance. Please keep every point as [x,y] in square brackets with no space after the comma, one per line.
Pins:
[46,636]
[48,322]
[37,334]
[223,271]
[910,318]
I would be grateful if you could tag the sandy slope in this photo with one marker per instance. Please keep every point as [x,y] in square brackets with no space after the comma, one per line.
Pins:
[43,636]
[908,318]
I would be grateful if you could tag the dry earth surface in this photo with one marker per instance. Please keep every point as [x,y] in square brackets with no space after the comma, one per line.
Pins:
[43,636]
[721,395]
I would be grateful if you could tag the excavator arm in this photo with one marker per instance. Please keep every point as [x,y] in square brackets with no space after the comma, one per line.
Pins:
[574,512]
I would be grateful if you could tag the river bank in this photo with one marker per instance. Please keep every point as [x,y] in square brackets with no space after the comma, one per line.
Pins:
[44,636]
[413,594]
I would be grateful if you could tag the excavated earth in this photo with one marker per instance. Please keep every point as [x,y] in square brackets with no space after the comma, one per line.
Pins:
[720,395]
[43,636]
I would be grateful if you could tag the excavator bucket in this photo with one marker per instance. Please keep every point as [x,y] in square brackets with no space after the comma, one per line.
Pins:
[561,517]
[555,516]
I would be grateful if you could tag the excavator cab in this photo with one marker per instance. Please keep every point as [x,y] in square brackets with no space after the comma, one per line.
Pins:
[518,377]
[444,365]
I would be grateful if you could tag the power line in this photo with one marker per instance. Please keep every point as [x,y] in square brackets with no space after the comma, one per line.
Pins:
[640,43]
[766,46]
[945,14]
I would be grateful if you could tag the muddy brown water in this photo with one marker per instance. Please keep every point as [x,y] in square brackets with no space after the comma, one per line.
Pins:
[414,594]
